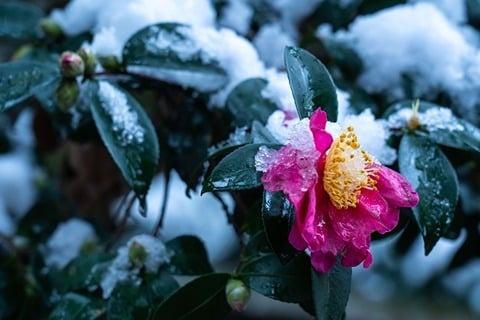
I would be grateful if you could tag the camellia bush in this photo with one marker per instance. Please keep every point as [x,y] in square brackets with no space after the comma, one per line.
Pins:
[312,129]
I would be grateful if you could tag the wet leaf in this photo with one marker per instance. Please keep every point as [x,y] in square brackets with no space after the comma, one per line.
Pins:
[331,291]
[19,20]
[263,272]
[247,103]
[78,272]
[431,174]
[454,132]
[20,80]
[171,52]
[236,171]
[278,216]
[74,306]
[130,300]
[311,84]
[128,134]
[189,256]
[201,298]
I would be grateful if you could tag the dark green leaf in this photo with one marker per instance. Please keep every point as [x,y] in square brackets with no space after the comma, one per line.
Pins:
[128,134]
[458,134]
[189,256]
[76,275]
[263,272]
[20,80]
[74,306]
[473,12]
[236,171]
[278,217]
[454,132]
[331,291]
[312,86]
[202,298]
[247,103]
[171,52]
[370,6]
[19,20]
[345,57]
[129,300]
[433,177]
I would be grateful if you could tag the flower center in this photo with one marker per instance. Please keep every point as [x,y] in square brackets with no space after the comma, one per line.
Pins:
[348,169]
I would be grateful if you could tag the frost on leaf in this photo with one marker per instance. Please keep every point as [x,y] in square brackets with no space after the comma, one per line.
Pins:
[125,121]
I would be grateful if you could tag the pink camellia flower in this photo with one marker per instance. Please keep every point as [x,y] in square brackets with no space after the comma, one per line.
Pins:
[340,194]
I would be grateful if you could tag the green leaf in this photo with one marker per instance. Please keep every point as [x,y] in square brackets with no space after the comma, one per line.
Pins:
[236,171]
[78,272]
[128,134]
[312,86]
[129,300]
[331,291]
[20,80]
[171,52]
[263,272]
[458,134]
[473,12]
[371,6]
[190,256]
[19,20]
[247,103]
[429,171]
[454,132]
[278,216]
[201,298]
[74,306]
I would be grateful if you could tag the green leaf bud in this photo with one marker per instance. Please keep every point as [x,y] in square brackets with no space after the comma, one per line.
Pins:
[110,63]
[67,94]
[89,60]
[238,294]
[51,28]
[71,65]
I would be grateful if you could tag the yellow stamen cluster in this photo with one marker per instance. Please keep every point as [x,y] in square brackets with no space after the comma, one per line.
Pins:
[348,169]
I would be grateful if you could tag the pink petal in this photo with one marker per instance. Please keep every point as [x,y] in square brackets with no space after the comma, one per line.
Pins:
[377,212]
[295,237]
[323,262]
[395,188]
[354,256]
[322,138]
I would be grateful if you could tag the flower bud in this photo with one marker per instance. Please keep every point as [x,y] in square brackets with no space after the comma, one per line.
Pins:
[110,63]
[414,122]
[137,254]
[89,60]
[71,65]
[50,28]
[67,94]
[238,294]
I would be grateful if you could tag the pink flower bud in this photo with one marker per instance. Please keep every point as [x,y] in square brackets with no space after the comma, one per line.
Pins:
[71,65]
